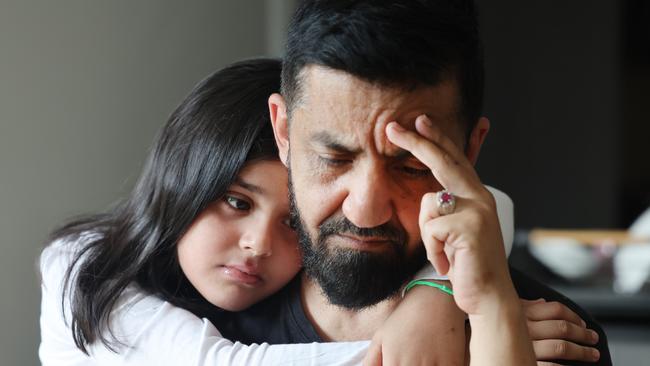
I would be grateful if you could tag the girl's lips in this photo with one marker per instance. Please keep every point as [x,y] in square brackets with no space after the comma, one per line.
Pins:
[241,274]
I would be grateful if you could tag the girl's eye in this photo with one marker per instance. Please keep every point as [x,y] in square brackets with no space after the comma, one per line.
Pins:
[237,203]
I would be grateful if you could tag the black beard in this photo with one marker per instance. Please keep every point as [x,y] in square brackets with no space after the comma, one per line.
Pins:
[351,278]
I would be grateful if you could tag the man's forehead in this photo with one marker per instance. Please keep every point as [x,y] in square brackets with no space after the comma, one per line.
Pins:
[322,85]
[338,141]
[337,106]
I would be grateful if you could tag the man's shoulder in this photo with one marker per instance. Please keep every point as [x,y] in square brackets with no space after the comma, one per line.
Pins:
[278,319]
[531,289]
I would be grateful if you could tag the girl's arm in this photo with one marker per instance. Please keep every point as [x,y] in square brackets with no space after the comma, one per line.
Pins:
[156,332]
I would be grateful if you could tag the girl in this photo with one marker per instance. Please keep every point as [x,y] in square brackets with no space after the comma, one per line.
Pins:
[206,225]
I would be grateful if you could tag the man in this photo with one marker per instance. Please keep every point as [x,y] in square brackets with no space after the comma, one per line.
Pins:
[351,69]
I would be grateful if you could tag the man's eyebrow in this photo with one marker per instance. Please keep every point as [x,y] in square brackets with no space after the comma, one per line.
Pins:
[248,186]
[327,140]
[401,154]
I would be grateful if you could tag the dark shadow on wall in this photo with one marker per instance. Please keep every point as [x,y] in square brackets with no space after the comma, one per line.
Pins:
[565,93]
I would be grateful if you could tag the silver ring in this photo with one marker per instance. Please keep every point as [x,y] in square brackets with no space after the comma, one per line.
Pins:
[446,202]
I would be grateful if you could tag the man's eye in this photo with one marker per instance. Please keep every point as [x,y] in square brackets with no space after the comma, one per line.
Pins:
[335,162]
[237,203]
[416,172]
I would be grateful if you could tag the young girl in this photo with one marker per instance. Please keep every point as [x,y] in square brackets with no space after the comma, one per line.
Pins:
[205,226]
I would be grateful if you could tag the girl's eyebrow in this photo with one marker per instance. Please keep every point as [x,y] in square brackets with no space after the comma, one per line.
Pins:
[249,187]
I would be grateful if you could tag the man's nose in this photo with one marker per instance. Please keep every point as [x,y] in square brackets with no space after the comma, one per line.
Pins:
[369,201]
[257,240]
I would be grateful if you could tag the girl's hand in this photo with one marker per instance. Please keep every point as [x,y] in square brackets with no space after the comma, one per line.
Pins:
[558,333]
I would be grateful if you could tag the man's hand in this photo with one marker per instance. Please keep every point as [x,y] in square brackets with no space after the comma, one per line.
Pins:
[427,328]
[558,333]
[466,245]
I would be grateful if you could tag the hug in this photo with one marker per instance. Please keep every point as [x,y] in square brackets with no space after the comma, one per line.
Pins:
[322,209]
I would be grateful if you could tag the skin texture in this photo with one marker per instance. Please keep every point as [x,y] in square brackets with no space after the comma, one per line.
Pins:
[343,164]
[245,231]
[466,244]
[558,333]
[353,114]
[411,336]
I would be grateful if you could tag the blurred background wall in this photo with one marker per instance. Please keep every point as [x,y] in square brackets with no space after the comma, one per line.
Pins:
[85,85]
[553,94]
[566,89]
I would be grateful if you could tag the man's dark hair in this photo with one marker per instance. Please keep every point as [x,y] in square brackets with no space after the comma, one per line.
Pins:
[400,43]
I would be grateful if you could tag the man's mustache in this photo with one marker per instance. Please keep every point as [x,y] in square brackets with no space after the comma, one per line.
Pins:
[341,225]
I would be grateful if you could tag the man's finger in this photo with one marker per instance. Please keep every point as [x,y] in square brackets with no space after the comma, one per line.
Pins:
[428,208]
[544,363]
[553,349]
[432,132]
[450,172]
[435,247]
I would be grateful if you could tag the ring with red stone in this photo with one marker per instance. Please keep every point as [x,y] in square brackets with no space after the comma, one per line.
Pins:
[446,202]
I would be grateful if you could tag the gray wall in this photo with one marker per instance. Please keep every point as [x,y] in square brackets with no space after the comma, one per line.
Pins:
[84,86]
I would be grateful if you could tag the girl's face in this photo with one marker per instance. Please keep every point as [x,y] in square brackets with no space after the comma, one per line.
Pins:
[241,249]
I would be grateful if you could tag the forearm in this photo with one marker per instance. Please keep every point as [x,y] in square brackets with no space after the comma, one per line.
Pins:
[440,327]
[500,336]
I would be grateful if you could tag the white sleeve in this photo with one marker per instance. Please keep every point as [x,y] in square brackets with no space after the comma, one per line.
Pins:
[57,346]
[162,334]
[505,214]
[159,333]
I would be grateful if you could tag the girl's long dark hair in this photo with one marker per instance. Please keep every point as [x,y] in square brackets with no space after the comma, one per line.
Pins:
[221,124]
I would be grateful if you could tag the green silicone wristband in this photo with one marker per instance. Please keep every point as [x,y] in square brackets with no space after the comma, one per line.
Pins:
[440,287]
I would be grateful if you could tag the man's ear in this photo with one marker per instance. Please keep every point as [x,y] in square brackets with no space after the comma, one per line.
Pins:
[280,122]
[476,139]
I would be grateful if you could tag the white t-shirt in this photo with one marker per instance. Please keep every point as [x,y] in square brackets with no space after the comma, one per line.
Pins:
[158,333]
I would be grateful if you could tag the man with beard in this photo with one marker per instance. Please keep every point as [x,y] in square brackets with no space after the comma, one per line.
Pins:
[351,278]
[365,84]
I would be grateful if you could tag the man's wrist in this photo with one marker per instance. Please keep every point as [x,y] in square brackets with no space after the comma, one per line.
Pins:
[442,286]
[427,296]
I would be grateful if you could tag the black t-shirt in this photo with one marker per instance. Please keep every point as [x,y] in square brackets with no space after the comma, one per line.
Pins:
[278,319]
[281,318]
